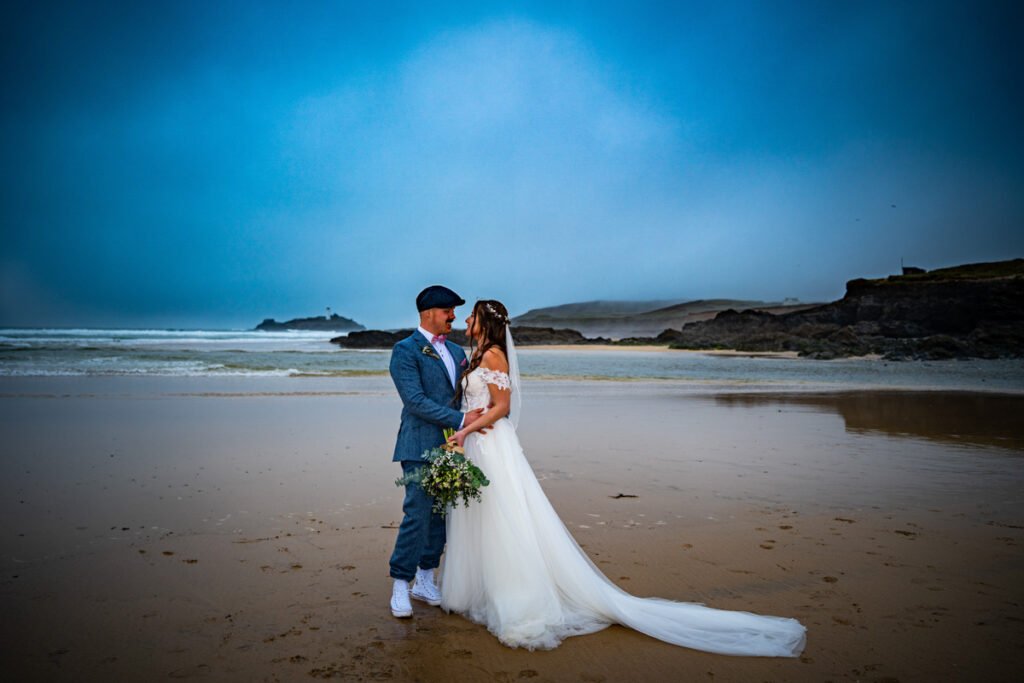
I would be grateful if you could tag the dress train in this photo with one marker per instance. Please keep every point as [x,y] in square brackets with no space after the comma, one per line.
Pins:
[512,566]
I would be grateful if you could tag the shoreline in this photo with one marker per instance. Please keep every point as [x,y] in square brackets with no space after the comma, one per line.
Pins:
[379,384]
[659,348]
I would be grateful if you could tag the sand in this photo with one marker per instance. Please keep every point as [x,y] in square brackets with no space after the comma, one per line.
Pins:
[239,529]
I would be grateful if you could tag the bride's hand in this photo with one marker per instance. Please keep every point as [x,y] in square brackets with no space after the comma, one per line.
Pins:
[458,438]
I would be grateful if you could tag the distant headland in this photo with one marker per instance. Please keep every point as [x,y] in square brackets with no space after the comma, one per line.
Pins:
[332,323]
[620,319]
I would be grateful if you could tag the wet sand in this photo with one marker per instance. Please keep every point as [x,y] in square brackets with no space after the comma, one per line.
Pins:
[239,529]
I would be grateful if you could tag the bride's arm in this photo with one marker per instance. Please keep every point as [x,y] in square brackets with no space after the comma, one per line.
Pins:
[494,359]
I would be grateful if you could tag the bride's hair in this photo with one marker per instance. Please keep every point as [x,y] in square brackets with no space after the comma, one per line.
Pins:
[491,317]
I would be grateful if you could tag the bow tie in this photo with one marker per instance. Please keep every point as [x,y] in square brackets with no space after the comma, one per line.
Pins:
[439,338]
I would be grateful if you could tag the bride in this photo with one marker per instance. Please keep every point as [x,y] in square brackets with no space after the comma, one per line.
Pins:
[511,564]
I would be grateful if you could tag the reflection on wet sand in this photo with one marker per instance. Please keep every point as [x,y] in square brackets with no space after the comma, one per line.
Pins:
[951,417]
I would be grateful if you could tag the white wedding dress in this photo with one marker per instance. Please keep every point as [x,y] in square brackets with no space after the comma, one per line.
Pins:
[512,566]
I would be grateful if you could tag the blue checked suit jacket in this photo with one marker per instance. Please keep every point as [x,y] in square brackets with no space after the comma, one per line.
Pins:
[427,394]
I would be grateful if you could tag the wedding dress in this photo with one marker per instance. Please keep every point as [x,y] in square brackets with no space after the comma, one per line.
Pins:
[512,565]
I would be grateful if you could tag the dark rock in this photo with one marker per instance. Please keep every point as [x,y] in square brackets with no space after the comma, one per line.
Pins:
[526,336]
[635,341]
[974,311]
[942,347]
[371,339]
[383,339]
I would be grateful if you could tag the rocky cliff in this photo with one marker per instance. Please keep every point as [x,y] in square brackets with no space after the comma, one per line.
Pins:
[975,310]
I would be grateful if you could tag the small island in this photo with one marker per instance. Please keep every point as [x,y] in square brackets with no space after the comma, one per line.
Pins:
[322,323]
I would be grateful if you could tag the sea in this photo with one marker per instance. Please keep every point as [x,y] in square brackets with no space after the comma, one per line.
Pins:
[298,354]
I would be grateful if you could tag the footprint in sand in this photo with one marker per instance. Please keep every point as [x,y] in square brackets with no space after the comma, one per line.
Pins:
[329,671]
[189,672]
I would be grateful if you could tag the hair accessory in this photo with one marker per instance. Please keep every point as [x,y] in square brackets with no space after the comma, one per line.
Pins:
[495,313]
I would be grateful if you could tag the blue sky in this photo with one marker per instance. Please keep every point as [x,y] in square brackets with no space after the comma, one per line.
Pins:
[214,163]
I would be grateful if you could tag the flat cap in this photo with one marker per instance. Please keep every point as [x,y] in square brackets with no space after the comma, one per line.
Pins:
[437,296]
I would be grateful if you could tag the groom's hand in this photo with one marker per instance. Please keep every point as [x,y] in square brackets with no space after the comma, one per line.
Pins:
[471,417]
[484,430]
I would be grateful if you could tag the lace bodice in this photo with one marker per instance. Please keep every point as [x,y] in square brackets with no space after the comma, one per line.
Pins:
[474,387]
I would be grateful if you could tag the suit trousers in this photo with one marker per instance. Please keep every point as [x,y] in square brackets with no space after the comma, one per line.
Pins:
[421,535]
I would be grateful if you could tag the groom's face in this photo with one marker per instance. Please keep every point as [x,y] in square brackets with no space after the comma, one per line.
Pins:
[438,320]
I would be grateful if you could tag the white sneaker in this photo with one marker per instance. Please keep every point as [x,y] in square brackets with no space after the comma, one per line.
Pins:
[400,605]
[425,589]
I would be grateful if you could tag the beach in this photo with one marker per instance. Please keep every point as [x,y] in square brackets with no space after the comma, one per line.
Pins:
[239,528]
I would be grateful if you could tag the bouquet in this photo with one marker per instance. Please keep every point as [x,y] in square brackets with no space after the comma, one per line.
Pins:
[448,476]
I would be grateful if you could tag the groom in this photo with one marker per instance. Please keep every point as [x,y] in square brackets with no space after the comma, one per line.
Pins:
[425,367]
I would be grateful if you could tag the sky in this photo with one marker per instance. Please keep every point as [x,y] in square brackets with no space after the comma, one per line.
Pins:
[212,164]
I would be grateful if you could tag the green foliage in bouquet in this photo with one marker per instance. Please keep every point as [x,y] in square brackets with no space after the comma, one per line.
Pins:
[448,476]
